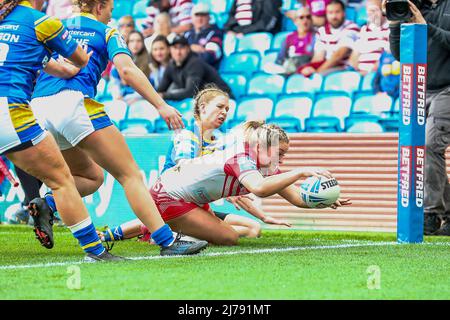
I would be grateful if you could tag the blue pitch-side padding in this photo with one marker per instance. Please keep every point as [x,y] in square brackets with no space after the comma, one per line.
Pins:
[413,58]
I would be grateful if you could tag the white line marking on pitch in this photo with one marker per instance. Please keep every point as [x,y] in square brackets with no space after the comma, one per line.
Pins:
[225,253]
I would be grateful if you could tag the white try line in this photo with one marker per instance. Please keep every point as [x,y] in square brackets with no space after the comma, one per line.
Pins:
[226,253]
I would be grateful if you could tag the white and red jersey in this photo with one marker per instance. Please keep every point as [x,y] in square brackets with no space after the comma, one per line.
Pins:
[180,13]
[211,177]
[373,40]
[329,39]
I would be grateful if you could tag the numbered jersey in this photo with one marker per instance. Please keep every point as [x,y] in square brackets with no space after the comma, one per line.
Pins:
[212,177]
[95,36]
[27,38]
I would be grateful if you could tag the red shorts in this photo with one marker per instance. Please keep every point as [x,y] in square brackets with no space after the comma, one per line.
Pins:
[168,207]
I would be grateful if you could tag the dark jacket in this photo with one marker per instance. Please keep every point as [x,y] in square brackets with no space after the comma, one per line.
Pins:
[183,82]
[211,39]
[438,21]
[266,18]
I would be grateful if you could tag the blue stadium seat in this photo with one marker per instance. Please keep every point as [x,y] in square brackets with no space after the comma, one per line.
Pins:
[297,83]
[266,84]
[367,82]
[122,8]
[396,106]
[332,104]
[186,108]
[116,110]
[102,90]
[270,56]
[139,9]
[366,127]
[296,106]
[287,24]
[142,110]
[254,108]
[241,62]
[288,124]
[278,40]
[259,41]
[221,19]
[161,126]
[371,104]
[217,6]
[391,121]
[361,16]
[350,13]
[357,118]
[135,126]
[288,5]
[322,124]
[229,44]
[347,81]
[237,82]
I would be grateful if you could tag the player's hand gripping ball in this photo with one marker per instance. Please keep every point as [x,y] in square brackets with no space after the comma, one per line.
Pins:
[320,192]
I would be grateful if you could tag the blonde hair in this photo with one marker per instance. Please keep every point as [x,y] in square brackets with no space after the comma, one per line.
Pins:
[259,132]
[87,6]
[205,96]
[6,7]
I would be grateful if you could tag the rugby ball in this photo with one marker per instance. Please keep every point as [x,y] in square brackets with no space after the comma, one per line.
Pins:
[320,192]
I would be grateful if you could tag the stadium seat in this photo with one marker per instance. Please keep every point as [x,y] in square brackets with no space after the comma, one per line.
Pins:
[287,24]
[142,110]
[270,56]
[299,84]
[237,82]
[259,41]
[347,81]
[361,16]
[371,104]
[101,90]
[357,118]
[296,106]
[266,84]
[391,121]
[288,124]
[366,127]
[322,124]
[396,106]
[161,126]
[367,82]
[332,104]
[241,62]
[122,8]
[135,126]
[278,40]
[139,9]
[288,5]
[116,110]
[254,108]
[350,13]
[217,6]
[221,19]
[229,44]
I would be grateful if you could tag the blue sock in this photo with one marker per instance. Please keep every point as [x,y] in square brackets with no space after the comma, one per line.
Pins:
[50,201]
[87,237]
[113,234]
[163,236]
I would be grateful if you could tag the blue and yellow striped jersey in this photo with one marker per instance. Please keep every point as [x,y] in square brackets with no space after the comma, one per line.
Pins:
[105,43]
[186,145]
[27,39]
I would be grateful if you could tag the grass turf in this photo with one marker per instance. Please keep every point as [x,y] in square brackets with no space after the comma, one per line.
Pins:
[406,271]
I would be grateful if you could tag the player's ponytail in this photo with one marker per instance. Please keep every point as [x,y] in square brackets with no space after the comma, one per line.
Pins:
[6,7]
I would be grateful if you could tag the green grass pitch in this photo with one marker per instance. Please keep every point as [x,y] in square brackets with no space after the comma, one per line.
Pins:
[279,265]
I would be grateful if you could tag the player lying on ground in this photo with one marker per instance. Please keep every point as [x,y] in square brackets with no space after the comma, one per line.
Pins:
[211,107]
[247,164]
[85,134]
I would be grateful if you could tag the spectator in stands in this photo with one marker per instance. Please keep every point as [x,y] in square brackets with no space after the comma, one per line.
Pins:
[387,77]
[187,73]
[334,42]
[179,12]
[162,27]
[205,39]
[317,7]
[126,25]
[159,60]
[297,49]
[62,9]
[373,39]
[248,16]
[120,89]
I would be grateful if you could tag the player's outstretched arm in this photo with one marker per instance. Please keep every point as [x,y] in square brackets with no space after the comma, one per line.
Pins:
[80,58]
[264,187]
[136,79]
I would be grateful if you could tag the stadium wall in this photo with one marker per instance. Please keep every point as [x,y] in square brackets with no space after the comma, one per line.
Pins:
[365,166]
